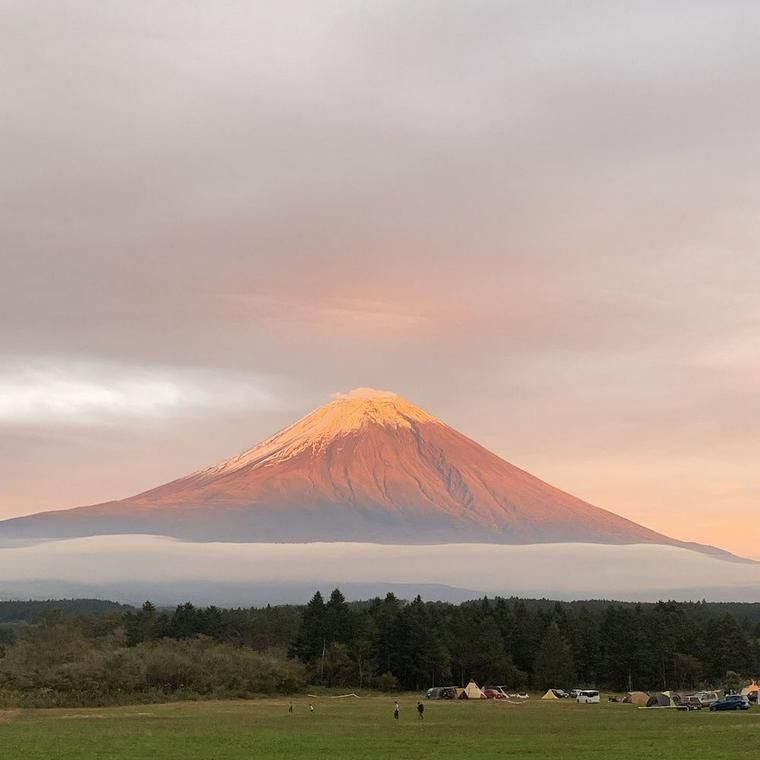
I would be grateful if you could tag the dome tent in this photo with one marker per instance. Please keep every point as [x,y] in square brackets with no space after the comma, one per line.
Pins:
[661,699]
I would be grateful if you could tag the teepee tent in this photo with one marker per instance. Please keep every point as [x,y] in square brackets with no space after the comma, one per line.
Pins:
[550,695]
[472,691]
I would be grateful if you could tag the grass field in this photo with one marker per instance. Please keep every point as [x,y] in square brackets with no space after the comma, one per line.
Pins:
[365,728]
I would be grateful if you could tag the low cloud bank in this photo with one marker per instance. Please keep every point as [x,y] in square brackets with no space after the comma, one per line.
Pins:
[146,564]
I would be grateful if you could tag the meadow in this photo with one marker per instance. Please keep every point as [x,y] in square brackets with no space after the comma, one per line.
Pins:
[365,728]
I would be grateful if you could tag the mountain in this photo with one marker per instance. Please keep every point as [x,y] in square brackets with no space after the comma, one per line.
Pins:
[368,466]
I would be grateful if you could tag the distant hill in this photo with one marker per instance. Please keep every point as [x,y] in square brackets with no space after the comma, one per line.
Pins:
[30,611]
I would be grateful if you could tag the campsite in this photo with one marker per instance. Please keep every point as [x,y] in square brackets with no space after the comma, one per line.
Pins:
[93,679]
[363,728]
[683,701]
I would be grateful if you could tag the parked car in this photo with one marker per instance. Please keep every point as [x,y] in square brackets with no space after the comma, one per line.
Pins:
[560,693]
[707,697]
[434,693]
[731,702]
[692,702]
[574,693]
[587,697]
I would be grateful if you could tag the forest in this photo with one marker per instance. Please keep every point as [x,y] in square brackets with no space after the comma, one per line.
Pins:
[85,652]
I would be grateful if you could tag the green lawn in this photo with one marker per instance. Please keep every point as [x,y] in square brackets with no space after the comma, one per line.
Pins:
[365,728]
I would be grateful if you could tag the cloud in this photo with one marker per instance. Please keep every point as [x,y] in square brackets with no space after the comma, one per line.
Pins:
[365,393]
[44,391]
[618,572]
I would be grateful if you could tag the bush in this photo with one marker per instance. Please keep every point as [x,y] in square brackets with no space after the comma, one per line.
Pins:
[387,682]
[151,671]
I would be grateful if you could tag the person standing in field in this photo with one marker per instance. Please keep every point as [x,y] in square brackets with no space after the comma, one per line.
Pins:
[290,707]
[311,707]
[420,710]
[395,710]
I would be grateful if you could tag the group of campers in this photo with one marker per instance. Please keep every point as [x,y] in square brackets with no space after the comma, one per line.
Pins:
[420,710]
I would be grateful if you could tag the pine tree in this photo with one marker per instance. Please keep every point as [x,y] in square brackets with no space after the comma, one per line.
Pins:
[554,661]
[584,639]
[338,622]
[386,614]
[311,641]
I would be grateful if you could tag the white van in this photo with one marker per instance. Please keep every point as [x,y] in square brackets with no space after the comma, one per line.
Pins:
[587,697]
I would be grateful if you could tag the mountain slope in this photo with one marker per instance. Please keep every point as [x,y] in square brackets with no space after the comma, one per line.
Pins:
[369,466]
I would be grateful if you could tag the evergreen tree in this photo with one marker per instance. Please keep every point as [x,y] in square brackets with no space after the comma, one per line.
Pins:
[584,636]
[337,619]
[554,661]
[184,622]
[622,650]
[687,671]
[363,647]
[420,653]
[385,614]
[140,626]
[730,647]
[489,663]
[311,640]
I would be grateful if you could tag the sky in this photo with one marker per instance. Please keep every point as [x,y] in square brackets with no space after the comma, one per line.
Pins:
[537,220]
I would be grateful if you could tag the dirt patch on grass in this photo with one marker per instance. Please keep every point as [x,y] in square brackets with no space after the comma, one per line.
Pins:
[6,716]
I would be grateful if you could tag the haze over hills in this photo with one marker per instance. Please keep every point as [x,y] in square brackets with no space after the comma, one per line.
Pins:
[368,466]
[134,568]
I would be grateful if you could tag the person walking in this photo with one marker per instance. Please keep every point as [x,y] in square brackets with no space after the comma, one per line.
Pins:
[395,710]
[420,710]
[311,707]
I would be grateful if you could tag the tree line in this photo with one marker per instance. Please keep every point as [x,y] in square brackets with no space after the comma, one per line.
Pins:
[111,654]
[521,644]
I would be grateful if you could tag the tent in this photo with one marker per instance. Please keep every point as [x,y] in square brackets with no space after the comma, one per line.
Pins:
[550,695]
[636,698]
[471,691]
[752,692]
[661,699]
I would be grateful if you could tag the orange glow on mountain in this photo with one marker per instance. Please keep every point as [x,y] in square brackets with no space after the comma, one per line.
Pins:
[367,466]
